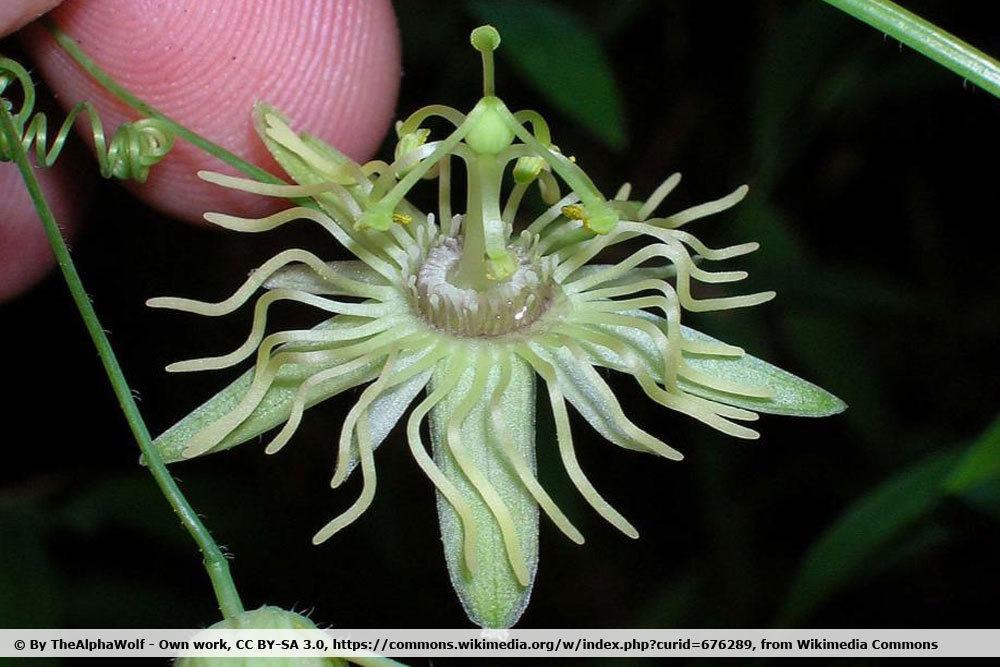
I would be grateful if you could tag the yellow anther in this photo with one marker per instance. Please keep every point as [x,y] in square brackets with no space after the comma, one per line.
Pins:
[402,218]
[600,223]
[575,212]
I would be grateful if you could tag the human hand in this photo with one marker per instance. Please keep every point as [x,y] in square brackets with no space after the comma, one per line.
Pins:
[332,66]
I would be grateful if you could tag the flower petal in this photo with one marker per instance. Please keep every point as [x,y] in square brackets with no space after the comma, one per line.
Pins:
[583,387]
[276,405]
[309,160]
[302,277]
[504,513]
[327,164]
[791,395]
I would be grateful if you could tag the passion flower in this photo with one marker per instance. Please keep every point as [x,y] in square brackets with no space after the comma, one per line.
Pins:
[470,308]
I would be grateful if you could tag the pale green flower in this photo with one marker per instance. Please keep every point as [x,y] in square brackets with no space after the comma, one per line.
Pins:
[470,308]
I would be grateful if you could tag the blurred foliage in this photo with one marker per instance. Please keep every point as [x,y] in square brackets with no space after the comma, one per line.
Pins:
[874,199]
[980,463]
[858,538]
[564,60]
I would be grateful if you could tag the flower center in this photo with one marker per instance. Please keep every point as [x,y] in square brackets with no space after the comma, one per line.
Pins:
[502,308]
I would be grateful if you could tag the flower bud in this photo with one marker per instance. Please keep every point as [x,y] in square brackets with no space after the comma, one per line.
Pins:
[408,143]
[265,618]
[527,168]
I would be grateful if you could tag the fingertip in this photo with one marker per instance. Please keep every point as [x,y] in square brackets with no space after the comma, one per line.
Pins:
[25,254]
[333,68]
[15,14]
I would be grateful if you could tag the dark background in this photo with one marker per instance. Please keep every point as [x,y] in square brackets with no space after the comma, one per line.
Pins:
[874,185]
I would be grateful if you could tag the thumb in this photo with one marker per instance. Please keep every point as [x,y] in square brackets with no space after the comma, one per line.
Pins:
[24,252]
[25,256]
[16,13]
[333,67]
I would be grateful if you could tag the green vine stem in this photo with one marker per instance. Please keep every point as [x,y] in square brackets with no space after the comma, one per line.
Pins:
[73,50]
[928,39]
[215,562]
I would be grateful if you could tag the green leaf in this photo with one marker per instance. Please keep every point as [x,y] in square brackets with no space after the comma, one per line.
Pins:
[793,396]
[275,407]
[857,537]
[492,596]
[565,61]
[979,463]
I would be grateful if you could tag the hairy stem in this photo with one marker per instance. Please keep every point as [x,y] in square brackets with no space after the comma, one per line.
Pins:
[215,563]
[925,37]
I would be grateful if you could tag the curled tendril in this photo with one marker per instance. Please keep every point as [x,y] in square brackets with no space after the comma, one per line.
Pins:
[132,150]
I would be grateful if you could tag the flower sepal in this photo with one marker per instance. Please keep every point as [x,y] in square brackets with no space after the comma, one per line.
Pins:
[789,395]
[197,433]
[483,437]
